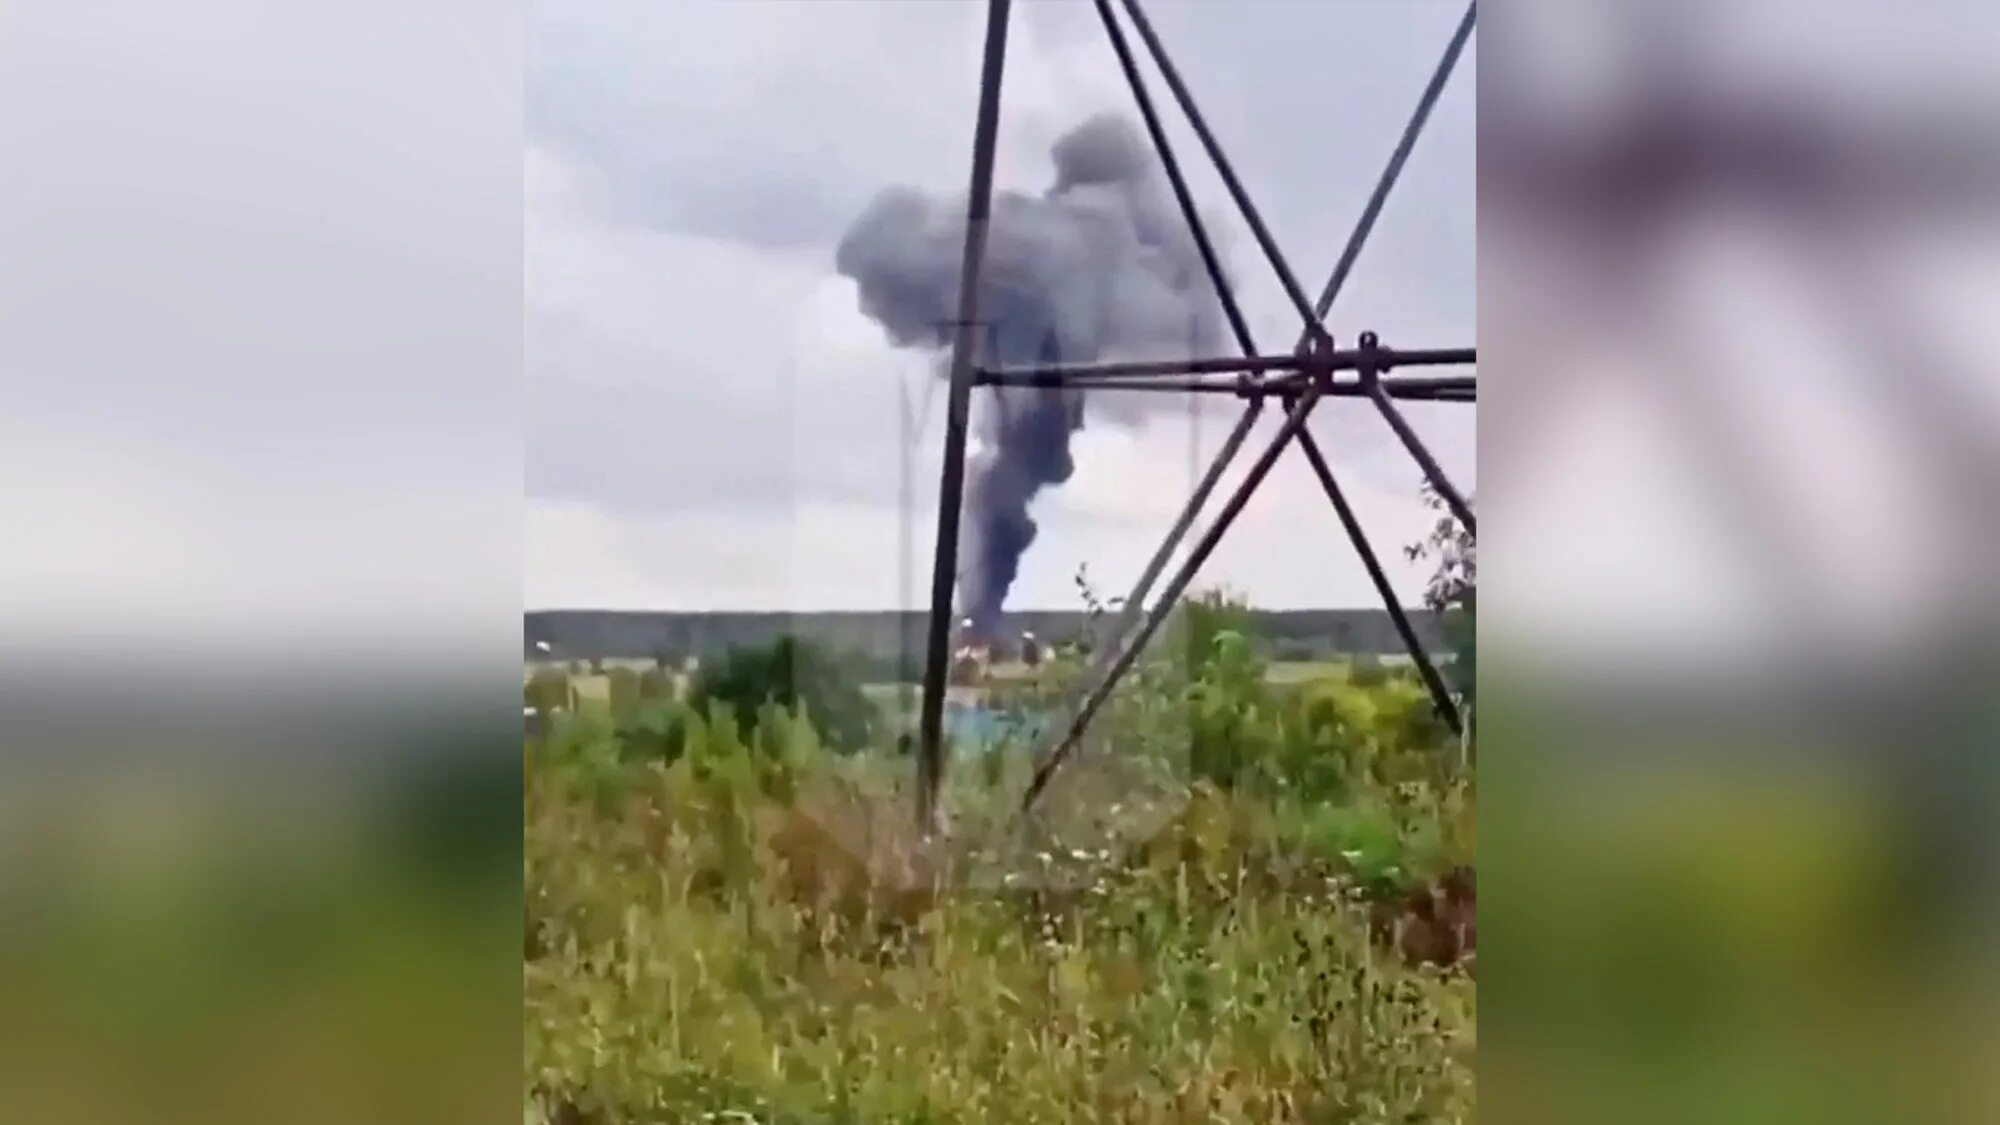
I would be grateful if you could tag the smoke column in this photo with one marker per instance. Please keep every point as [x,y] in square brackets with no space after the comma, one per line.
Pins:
[1100,266]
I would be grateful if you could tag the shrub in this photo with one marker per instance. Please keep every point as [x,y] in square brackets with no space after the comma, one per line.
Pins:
[750,932]
[1366,670]
[548,690]
[623,685]
[796,676]
[656,685]
[727,924]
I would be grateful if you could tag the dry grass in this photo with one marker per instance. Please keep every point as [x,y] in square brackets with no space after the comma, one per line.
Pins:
[703,947]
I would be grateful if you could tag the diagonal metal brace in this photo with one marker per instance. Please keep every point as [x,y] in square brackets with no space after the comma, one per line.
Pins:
[1371,382]
[1114,660]
[1072,736]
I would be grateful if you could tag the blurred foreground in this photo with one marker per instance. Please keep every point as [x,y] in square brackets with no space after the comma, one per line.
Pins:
[1739,266]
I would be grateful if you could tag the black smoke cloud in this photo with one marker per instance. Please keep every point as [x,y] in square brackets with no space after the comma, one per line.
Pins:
[1100,266]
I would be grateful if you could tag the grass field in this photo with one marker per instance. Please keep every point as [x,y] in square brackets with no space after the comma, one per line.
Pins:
[1249,903]
[595,688]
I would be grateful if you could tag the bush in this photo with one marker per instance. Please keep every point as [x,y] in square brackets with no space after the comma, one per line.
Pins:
[742,929]
[655,732]
[623,685]
[1200,626]
[795,675]
[548,690]
[1366,670]
[656,685]
[725,923]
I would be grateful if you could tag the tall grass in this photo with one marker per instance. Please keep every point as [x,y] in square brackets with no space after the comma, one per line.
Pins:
[744,925]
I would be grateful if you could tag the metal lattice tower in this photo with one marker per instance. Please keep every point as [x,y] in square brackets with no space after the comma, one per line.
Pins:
[1314,370]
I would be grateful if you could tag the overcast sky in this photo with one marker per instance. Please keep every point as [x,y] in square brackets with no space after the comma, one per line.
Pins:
[711,421]
[265,341]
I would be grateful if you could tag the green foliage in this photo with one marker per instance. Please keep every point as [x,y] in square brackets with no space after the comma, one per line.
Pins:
[728,922]
[657,684]
[1453,589]
[656,731]
[1461,632]
[1211,629]
[623,685]
[1367,670]
[547,690]
[795,675]
[705,939]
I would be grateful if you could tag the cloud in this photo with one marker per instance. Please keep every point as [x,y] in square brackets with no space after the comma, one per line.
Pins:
[260,377]
[697,374]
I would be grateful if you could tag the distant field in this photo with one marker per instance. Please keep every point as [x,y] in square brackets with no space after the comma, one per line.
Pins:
[596,689]
[1302,671]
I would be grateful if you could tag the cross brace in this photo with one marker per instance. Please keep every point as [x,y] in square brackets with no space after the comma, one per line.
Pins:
[1301,381]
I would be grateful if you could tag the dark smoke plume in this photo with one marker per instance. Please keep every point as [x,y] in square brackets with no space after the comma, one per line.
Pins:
[1098,267]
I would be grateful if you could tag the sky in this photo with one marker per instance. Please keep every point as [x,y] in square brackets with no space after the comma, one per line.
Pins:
[275,371]
[261,354]
[713,424]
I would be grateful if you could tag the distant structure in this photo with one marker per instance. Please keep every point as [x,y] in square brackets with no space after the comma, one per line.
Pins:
[884,637]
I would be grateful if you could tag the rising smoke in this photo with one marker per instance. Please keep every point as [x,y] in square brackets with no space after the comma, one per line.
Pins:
[1098,267]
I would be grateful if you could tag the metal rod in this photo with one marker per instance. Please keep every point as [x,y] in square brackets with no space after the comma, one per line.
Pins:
[1363,228]
[1221,160]
[1425,389]
[1432,470]
[1209,259]
[1293,425]
[1342,359]
[1108,639]
[1440,694]
[1450,384]
[1056,374]
[1194,385]
[1461,390]
[1113,660]
[944,571]
[1212,262]
[1105,677]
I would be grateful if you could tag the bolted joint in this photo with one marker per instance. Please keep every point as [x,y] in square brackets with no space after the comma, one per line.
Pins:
[1319,351]
[1371,359]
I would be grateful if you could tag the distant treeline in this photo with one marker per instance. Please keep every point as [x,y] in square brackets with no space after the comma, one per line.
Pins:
[893,637]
